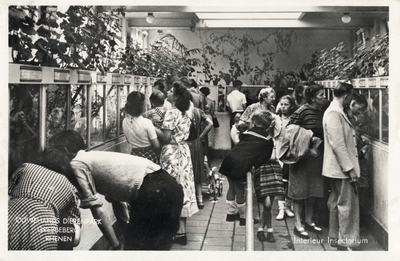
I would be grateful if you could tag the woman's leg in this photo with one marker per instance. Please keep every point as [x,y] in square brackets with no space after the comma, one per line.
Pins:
[182,225]
[297,207]
[309,209]
[199,195]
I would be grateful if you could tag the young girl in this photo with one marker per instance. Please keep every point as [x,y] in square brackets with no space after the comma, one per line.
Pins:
[287,107]
[140,132]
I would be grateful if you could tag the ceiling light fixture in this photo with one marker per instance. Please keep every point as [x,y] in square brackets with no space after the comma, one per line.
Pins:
[346,18]
[255,15]
[150,18]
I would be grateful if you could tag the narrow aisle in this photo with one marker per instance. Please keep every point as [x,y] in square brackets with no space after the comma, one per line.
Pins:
[208,230]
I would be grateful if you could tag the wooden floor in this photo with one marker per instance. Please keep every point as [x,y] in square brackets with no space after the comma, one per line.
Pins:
[207,230]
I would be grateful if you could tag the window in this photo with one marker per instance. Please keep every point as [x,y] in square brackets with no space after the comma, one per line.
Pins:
[24,124]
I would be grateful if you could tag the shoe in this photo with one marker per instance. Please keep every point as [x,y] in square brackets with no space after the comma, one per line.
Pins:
[281,215]
[231,218]
[180,239]
[242,221]
[281,207]
[200,205]
[270,237]
[334,242]
[289,213]
[261,236]
[313,228]
[343,248]
[300,232]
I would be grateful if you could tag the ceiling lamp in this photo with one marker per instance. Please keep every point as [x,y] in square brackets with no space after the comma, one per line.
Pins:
[346,18]
[150,18]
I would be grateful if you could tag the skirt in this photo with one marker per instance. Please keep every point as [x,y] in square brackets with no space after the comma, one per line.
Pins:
[147,153]
[305,178]
[197,156]
[268,180]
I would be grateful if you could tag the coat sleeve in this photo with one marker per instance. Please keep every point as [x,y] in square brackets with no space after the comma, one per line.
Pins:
[336,138]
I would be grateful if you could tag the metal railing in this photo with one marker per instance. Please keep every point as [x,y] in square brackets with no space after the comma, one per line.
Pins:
[249,214]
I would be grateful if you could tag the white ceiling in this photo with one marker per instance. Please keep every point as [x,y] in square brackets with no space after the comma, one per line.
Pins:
[327,17]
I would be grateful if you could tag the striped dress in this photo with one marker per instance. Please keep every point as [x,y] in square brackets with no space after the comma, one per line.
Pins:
[305,177]
[40,200]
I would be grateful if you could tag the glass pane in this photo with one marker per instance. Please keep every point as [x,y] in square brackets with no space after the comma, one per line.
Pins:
[96,134]
[385,115]
[78,109]
[123,94]
[373,114]
[111,112]
[56,105]
[24,124]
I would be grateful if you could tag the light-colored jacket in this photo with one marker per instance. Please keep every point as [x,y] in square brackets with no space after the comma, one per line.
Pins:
[340,151]
[294,144]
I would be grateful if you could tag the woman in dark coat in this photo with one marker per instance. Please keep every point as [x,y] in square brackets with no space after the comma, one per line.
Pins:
[305,177]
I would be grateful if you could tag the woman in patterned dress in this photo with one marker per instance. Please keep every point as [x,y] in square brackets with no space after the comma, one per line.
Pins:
[175,154]
[43,212]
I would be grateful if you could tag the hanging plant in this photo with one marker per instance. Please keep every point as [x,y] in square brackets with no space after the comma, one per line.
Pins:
[83,37]
[368,61]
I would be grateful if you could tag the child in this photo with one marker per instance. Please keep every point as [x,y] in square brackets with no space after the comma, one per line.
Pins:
[287,107]
[140,132]
[157,113]
[253,149]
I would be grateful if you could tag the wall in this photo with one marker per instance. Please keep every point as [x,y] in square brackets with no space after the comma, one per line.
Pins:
[375,200]
[304,43]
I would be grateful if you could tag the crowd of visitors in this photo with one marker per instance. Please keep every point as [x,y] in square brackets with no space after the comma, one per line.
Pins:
[158,186]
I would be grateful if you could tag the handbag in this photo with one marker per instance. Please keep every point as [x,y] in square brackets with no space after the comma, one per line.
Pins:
[215,122]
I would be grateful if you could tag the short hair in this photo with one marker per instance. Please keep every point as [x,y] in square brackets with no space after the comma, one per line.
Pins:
[193,83]
[157,98]
[161,85]
[237,83]
[205,90]
[182,103]
[342,88]
[69,139]
[312,91]
[265,92]
[300,89]
[134,104]
[359,99]
[262,118]
[56,159]
[185,81]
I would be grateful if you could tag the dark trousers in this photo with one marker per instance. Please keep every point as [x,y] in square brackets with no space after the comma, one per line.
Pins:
[154,215]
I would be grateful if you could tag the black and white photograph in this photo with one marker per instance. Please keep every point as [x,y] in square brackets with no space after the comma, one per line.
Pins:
[228,128]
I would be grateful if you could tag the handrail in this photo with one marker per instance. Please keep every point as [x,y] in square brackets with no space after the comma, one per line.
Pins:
[249,214]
